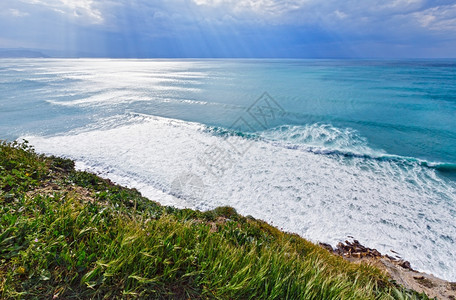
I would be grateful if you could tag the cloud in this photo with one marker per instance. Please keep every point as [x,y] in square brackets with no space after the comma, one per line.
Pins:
[262,7]
[17,13]
[74,9]
[440,18]
[334,14]
[227,26]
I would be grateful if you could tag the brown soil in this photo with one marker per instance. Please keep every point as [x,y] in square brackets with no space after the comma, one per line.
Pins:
[399,270]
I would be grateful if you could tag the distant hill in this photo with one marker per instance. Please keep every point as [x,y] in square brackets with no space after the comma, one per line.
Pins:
[21,53]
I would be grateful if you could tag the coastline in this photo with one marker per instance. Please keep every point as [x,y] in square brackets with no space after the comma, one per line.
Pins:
[50,178]
[341,195]
[285,187]
[398,269]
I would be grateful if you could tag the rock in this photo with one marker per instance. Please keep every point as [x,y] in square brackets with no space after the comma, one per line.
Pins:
[390,257]
[398,269]
[326,246]
[355,249]
[406,265]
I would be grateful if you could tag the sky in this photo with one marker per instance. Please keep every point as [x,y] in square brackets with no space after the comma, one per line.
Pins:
[232,28]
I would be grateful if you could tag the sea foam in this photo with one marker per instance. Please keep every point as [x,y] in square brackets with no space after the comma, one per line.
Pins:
[321,194]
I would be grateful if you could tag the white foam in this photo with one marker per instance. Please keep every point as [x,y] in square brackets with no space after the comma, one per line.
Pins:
[322,137]
[387,206]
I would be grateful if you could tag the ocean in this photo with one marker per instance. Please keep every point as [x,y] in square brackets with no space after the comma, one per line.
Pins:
[327,149]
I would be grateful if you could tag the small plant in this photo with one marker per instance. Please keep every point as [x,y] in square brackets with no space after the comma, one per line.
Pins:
[87,238]
[21,168]
[63,164]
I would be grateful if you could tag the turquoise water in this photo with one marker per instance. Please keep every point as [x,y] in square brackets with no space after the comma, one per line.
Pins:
[324,148]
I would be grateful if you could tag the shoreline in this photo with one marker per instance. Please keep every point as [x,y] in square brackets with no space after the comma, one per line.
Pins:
[344,250]
[282,186]
[53,180]
[398,269]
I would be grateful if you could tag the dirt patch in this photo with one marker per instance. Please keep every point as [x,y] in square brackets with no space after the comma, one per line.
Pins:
[398,270]
[424,281]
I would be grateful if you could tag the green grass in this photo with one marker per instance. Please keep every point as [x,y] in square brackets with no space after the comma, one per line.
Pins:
[72,235]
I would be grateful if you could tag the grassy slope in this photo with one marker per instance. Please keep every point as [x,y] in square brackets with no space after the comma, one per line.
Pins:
[68,234]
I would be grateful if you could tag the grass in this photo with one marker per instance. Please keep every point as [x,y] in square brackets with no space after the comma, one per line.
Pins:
[66,234]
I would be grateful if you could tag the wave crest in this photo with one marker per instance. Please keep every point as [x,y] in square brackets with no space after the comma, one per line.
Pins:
[325,137]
